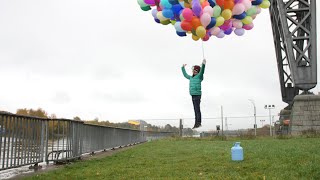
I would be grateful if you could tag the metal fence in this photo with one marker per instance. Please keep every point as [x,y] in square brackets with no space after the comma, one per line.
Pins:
[28,140]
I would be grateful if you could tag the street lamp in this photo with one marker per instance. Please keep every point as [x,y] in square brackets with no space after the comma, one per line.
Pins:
[255,117]
[269,107]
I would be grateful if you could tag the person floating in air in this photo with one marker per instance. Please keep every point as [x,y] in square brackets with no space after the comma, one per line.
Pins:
[195,89]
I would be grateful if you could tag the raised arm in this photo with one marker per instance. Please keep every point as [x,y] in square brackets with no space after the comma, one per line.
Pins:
[184,71]
[202,67]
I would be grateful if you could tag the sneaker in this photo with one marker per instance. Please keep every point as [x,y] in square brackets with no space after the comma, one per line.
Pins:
[196,126]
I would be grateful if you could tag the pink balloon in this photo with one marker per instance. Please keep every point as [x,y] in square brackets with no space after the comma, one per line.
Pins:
[215,31]
[208,9]
[248,26]
[187,14]
[247,4]
[150,2]
[205,19]
[237,24]
[238,9]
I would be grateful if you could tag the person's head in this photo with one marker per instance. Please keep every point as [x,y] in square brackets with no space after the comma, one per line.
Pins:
[196,69]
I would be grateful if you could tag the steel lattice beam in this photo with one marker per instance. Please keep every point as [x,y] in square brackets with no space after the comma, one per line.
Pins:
[294,31]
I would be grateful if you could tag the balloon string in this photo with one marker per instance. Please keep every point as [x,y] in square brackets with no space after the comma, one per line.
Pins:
[202,49]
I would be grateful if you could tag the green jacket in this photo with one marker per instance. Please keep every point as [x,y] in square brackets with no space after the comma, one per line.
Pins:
[195,82]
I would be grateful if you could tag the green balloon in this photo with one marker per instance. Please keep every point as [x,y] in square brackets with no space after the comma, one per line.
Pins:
[165,22]
[252,11]
[146,8]
[216,11]
[142,3]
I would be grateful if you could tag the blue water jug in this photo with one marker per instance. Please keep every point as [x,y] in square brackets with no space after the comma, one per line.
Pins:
[237,152]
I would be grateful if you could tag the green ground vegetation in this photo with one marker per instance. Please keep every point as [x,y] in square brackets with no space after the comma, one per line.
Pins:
[202,158]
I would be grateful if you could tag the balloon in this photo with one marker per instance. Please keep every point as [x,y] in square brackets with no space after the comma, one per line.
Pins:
[248,26]
[178,28]
[229,4]
[181,34]
[247,20]
[173,2]
[256,2]
[212,3]
[239,32]
[215,31]
[197,10]
[154,13]
[186,25]
[195,22]
[206,38]
[208,10]
[220,21]
[201,31]
[216,11]
[160,16]
[240,16]
[177,8]
[226,14]
[187,14]
[265,4]
[247,4]
[212,23]
[220,2]
[150,2]
[167,13]
[205,19]
[238,9]
[221,34]
[237,23]
[142,3]
[146,8]
[195,38]
[165,4]
[251,11]
[228,31]
[165,22]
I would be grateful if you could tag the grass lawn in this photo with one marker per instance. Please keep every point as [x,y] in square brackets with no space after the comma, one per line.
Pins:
[195,158]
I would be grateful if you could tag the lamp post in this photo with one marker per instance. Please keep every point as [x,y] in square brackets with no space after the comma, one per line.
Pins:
[255,117]
[270,107]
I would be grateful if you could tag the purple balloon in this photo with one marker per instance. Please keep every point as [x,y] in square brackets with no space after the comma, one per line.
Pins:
[239,31]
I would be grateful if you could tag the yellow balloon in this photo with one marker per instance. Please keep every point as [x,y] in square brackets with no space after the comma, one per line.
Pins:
[195,38]
[226,14]
[219,21]
[160,16]
[247,20]
[201,31]
[265,4]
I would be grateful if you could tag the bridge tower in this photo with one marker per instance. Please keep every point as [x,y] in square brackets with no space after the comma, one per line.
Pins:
[294,31]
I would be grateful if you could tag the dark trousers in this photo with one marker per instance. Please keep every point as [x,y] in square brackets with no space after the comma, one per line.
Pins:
[196,99]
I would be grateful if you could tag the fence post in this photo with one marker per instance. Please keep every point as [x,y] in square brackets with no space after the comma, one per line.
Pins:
[180,128]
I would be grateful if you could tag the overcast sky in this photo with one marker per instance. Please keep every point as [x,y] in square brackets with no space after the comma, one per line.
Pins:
[110,60]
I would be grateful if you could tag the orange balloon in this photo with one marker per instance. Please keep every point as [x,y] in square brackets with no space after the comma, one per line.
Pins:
[228,4]
[195,22]
[204,4]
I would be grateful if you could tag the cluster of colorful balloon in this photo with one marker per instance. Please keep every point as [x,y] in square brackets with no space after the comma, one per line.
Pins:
[206,18]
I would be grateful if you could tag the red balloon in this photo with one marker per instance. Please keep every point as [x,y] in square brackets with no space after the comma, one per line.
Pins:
[195,22]
[220,2]
[186,25]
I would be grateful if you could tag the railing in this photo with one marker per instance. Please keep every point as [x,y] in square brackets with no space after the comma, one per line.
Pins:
[28,140]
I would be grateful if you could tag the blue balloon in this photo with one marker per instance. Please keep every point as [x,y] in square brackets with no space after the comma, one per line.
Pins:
[256,2]
[212,23]
[156,20]
[240,16]
[173,2]
[176,8]
[228,31]
[181,34]
[167,13]
[212,3]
